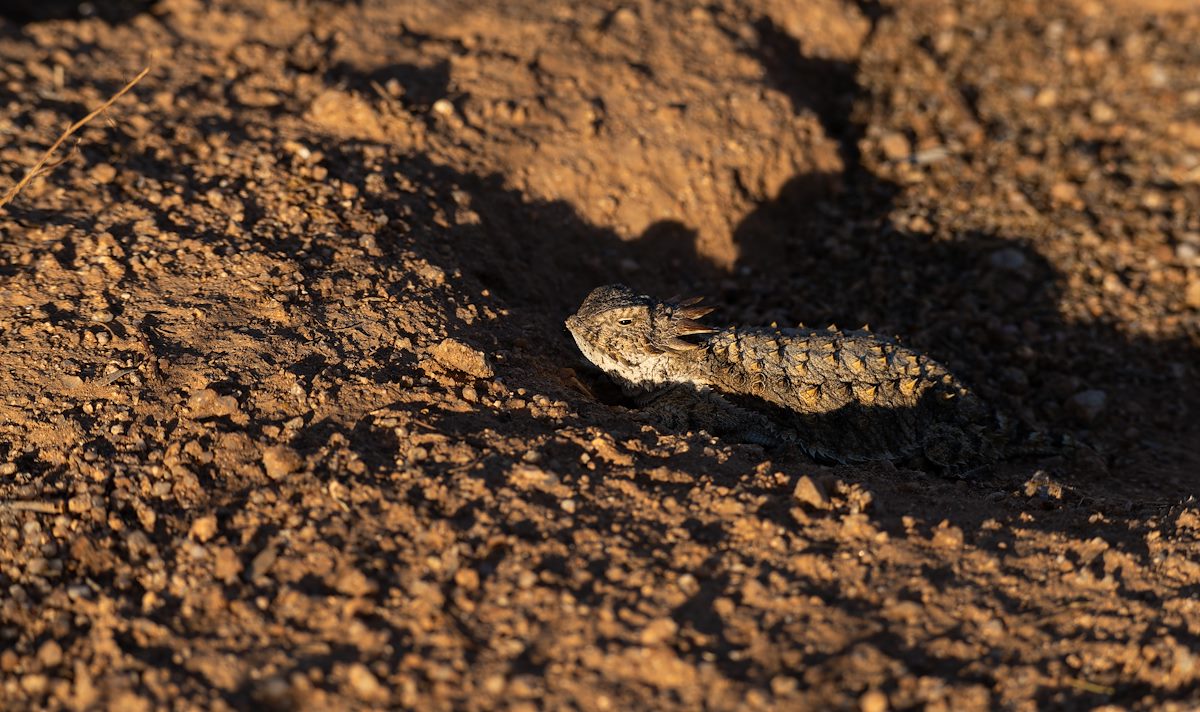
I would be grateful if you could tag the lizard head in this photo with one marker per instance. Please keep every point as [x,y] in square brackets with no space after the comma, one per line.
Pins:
[633,337]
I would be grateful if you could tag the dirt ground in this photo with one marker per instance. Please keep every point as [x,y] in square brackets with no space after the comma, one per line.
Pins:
[289,418]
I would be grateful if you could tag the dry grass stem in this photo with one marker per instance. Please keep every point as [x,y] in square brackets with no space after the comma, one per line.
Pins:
[41,166]
[32,506]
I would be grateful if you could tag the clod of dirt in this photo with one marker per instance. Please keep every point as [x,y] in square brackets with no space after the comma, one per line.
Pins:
[50,654]
[206,403]
[456,355]
[873,701]
[948,536]
[226,565]
[364,683]
[280,461]
[810,492]
[203,528]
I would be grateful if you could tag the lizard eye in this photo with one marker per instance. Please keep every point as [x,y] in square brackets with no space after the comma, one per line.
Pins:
[625,322]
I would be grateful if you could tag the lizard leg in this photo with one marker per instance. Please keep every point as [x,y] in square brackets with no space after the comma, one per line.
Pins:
[681,408]
[952,450]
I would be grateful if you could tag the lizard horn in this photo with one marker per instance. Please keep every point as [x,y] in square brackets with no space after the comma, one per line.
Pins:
[685,327]
[678,345]
[694,312]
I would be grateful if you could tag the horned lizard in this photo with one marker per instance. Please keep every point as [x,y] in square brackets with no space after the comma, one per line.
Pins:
[840,396]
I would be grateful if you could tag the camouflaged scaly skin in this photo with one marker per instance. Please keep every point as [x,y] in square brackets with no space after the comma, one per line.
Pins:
[849,395]
[844,396]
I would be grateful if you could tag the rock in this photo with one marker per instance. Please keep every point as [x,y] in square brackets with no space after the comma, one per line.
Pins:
[1008,259]
[261,565]
[1087,405]
[85,692]
[456,355]
[873,701]
[226,565]
[203,528]
[50,654]
[1064,193]
[1102,113]
[280,461]
[71,382]
[948,536]
[103,173]
[364,683]
[1192,293]
[128,702]
[895,146]
[811,493]
[658,631]
[206,403]
[34,685]
[610,454]
[274,693]
[353,582]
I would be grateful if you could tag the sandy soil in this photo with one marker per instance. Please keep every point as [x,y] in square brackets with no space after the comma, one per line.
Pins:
[288,417]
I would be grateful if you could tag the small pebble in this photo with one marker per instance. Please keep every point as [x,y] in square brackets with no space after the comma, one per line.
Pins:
[364,683]
[50,654]
[1008,259]
[103,173]
[1102,113]
[811,493]
[1192,294]
[873,701]
[895,146]
[280,461]
[34,685]
[1087,405]
[947,536]
[203,528]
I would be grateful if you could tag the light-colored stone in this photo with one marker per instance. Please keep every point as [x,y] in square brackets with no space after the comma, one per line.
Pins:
[454,354]
[204,528]
[810,492]
[280,461]
[364,683]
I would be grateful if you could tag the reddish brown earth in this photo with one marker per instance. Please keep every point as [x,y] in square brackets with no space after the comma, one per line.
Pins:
[288,418]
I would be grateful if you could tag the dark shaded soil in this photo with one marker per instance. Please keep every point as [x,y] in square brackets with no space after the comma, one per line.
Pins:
[288,418]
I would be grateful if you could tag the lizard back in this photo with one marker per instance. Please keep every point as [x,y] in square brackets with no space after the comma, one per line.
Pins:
[853,394]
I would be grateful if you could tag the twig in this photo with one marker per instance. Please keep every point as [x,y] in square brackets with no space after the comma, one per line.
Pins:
[26,505]
[114,377]
[37,167]
[1089,686]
